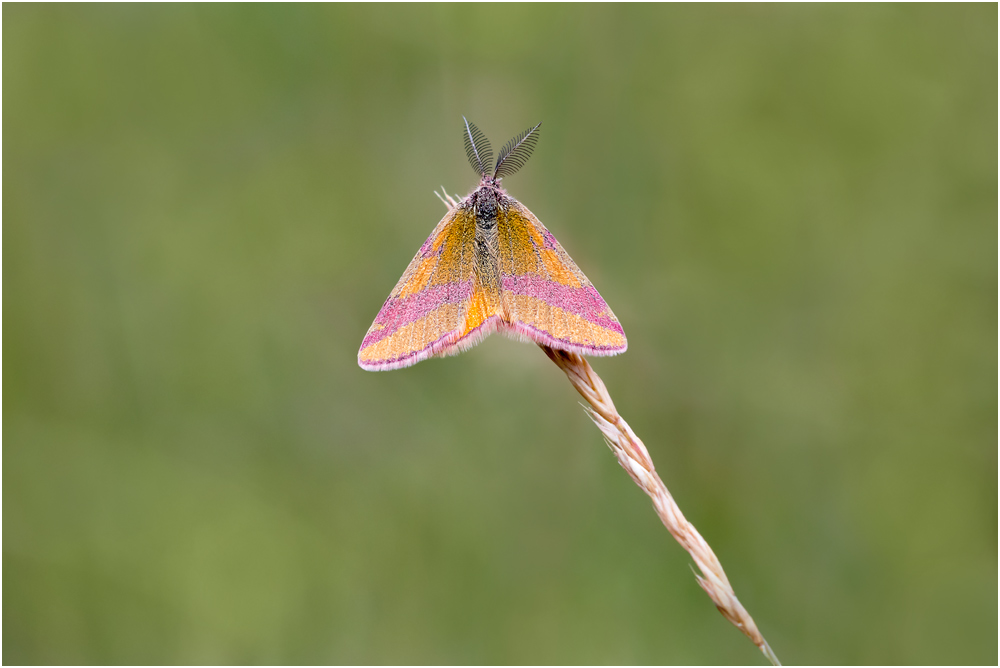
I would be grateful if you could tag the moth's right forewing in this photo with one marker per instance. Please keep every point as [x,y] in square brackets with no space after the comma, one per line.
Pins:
[548,299]
[424,313]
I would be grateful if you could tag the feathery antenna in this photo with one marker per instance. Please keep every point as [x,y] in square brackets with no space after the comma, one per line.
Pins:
[516,152]
[477,148]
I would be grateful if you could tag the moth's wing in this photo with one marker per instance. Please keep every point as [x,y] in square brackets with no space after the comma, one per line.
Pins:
[426,312]
[546,297]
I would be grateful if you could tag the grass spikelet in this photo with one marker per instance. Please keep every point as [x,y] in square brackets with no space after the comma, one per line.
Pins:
[634,458]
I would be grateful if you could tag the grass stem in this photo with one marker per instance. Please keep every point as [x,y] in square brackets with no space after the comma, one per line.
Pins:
[634,458]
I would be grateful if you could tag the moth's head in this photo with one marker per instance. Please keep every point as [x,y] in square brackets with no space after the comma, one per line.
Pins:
[511,158]
[489,181]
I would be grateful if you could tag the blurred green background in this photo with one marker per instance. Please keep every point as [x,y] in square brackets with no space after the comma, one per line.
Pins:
[791,209]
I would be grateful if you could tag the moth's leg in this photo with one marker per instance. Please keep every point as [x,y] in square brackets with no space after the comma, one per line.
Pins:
[451,203]
[447,199]
[454,203]
[443,200]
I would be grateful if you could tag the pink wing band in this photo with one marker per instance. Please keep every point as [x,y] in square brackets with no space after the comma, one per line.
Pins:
[583,301]
[398,312]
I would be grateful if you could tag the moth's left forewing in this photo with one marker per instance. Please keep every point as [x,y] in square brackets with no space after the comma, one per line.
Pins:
[425,313]
[546,296]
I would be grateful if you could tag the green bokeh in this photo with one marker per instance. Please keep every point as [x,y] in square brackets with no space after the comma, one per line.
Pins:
[791,209]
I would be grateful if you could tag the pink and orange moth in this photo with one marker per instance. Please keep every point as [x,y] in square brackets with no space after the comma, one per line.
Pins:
[489,266]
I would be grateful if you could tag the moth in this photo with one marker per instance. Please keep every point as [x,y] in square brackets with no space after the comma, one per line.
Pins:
[489,266]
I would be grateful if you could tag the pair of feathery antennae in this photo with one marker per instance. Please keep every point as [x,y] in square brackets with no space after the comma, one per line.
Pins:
[511,157]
